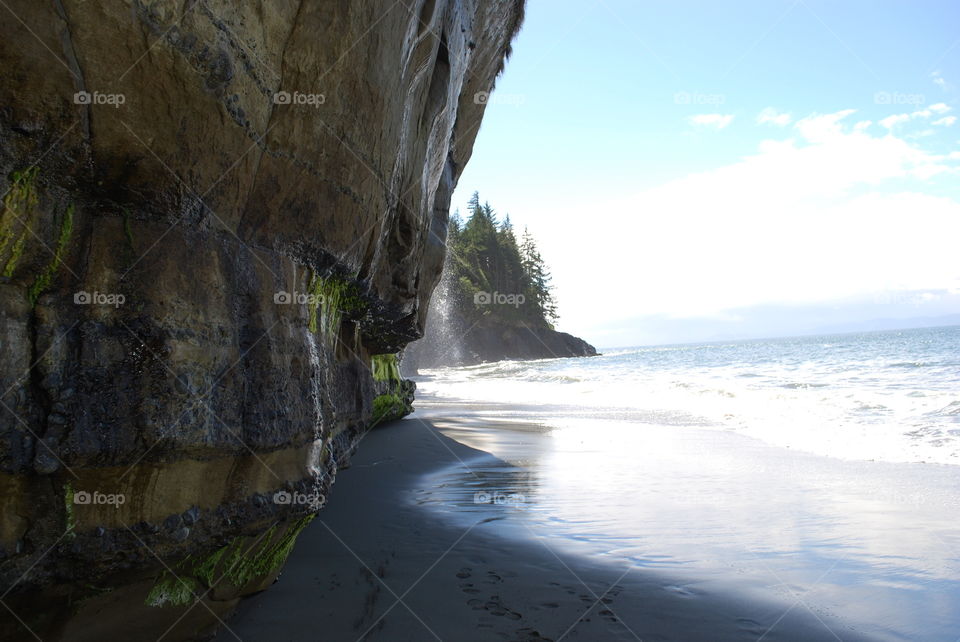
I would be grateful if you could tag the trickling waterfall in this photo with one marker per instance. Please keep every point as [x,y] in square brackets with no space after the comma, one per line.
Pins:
[442,338]
[445,334]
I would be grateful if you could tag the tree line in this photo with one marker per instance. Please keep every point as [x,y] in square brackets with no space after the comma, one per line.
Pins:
[494,275]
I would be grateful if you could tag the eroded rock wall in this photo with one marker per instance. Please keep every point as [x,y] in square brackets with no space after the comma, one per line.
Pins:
[215,212]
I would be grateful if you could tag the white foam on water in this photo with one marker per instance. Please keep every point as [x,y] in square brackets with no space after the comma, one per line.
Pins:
[890,396]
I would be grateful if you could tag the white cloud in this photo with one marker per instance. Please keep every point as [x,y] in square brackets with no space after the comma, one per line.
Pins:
[862,125]
[938,80]
[772,116]
[718,121]
[891,121]
[820,127]
[807,218]
[946,121]
[898,119]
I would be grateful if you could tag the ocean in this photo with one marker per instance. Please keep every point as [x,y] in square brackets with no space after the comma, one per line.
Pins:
[814,472]
[885,396]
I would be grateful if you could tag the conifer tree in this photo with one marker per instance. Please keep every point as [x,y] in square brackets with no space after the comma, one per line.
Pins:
[539,277]
[485,257]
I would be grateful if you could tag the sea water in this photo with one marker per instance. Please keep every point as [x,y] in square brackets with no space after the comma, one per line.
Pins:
[888,396]
[817,473]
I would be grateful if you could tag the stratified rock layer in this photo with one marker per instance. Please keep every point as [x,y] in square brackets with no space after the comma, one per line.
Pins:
[214,214]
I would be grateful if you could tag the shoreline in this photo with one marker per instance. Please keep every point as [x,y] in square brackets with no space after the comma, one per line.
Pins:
[374,545]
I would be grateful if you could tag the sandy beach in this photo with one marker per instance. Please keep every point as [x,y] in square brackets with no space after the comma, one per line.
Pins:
[388,560]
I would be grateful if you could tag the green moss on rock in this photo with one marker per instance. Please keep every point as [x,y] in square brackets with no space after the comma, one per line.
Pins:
[173,591]
[330,298]
[388,407]
[69,519]
[18,206]
[236,563]
[42,282]
[384,367]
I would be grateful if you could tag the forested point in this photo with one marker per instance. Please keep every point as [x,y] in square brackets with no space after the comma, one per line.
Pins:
[494,275]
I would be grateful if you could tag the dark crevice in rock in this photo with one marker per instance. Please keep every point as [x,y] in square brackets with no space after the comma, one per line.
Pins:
[66,44]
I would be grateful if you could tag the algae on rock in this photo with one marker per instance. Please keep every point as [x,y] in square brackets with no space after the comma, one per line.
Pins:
[237,565]
[18,206]
[42,282]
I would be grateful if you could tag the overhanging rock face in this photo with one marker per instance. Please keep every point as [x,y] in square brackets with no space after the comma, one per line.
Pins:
[215,213]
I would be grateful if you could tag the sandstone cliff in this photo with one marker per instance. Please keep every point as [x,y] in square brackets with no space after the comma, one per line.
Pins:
[215,215]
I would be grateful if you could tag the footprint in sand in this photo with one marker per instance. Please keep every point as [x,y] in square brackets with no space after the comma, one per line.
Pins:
[495,607]
[609,615]
[467,587]
[528,635]
[750,626]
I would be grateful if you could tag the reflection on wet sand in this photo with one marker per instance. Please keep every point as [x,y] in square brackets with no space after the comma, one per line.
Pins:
[875,544]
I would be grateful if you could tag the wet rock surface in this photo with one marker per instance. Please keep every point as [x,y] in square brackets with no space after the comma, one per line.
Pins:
[214,214]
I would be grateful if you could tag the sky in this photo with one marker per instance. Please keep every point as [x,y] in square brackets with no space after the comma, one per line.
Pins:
[733,167]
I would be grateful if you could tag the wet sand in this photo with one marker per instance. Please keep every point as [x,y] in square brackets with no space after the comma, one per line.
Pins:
[386,561]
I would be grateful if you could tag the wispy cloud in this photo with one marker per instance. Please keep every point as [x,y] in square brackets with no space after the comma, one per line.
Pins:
[936,109]
[773,117]
[717,121]
[892,121]
[946,121]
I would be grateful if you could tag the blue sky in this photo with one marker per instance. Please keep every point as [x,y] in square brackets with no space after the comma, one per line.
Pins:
[629,137]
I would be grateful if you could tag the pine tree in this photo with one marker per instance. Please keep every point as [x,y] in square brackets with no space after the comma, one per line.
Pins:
[485,256]
[539,278]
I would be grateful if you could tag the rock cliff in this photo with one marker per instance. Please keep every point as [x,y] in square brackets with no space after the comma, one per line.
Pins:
[463,344]
[456,335]
[216,217]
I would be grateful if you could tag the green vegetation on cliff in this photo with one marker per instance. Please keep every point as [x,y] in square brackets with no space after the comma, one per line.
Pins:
[494,275]
[330,298]
[18,207]
[384,367]
[391,404]
[43,279]
[387,407]
[238,563]
[70,520]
